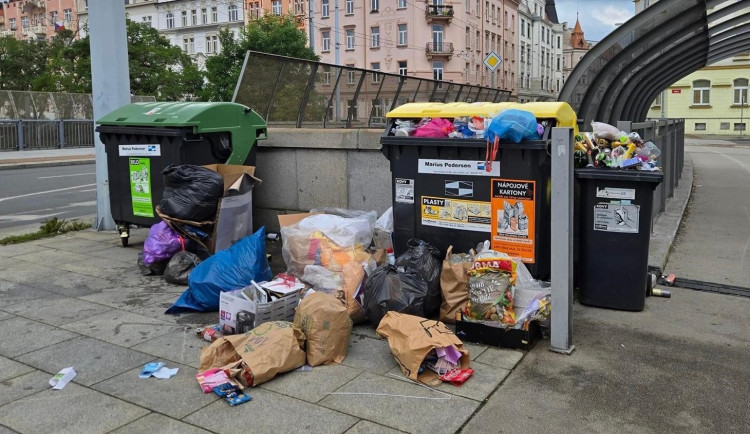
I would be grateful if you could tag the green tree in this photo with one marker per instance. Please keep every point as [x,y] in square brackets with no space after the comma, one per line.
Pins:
[274,34]
[21,63]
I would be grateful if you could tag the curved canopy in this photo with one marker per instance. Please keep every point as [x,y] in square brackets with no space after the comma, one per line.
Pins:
[618,79]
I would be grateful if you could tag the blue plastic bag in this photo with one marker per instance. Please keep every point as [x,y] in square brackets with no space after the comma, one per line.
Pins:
[513,125]
[227,270]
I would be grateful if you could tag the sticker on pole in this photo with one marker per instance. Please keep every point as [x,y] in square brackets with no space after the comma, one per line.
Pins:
[616,217]
[492,61]
[404,190]
[513,218]
[139,150]
[140,186]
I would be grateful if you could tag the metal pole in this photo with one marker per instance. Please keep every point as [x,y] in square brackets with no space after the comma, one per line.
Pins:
[562,240]
[110,84]
[310,24]
[336,54]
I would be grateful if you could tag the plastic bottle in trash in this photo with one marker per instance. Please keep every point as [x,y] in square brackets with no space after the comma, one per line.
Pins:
[390,256]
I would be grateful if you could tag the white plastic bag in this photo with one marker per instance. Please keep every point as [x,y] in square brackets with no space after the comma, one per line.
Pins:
[605,131]
[385,221]
[341,230]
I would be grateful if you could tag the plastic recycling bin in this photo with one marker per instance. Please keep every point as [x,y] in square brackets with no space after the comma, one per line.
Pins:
[141,139]
[446,192]
[615,211]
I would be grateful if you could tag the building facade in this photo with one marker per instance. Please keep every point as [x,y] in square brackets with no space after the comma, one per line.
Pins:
[540,48]
[433,40]
[38,19]
[713,100]
[192,25]
[575,47]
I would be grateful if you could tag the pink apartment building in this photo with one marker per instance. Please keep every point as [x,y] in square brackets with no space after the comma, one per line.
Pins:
[429,39]
[38,19]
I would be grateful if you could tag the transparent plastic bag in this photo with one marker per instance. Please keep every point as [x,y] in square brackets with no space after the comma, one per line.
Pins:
[605,131]
[371,216]
[385,221]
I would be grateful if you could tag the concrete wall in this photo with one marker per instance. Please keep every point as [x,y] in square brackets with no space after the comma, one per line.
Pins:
[304,168]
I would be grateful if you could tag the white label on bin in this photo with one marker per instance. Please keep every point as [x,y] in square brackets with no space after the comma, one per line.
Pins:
[458,167]
[616,217]
[404,190]
[615,193]
[140,150]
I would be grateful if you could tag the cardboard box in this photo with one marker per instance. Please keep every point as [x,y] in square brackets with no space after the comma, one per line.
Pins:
[237,314]
[234,216]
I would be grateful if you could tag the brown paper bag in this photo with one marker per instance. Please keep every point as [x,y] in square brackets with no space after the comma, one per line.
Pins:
[353,276]
[258,355]
[325,321]
[411,338]
[453,285]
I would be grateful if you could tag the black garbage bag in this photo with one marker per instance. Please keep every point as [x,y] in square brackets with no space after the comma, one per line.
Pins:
[154,269]
[191,192]
[179,267]
[424,259]
[389,288]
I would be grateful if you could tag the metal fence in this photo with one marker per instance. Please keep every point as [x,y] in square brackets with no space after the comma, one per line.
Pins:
[669,136]
[302,93]
[47,120]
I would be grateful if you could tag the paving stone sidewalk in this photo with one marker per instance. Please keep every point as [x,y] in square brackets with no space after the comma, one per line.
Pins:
[79,300]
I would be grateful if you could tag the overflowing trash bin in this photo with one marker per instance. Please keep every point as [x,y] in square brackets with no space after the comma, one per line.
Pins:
[142,139]
[615,211]
[454,184]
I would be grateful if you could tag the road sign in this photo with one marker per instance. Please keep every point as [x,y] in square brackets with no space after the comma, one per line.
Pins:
[492,61]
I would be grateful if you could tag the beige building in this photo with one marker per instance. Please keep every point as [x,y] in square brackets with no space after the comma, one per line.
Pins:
[435,39]
[541,48]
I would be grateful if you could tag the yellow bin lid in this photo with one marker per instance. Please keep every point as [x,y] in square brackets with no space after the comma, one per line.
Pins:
[562,112]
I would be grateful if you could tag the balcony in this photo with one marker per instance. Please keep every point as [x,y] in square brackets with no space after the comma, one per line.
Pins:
[4,33]
[439,50]
[35,30]
[439,13]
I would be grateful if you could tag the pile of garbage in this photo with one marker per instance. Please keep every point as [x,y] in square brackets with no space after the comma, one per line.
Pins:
[512,125]
[338,274]
[609,148]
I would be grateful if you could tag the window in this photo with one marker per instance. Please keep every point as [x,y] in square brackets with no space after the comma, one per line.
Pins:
[194,17]
[724,126]
[487,11]
[326,9]
[402,67]
[212,44]
[378,108]
[170,20]
[523,27]
[558,63]
[494,15]
[467,4]
[204,16]
[349,7]
[326,75]
[146,20]
[438,32]
[374,5]
[558,42]
[375,43]
[350,75]
[701,92]
[276,7]
[375,66]
[53,16]
[701,126]
[523,52]
[476,8]
[233,13]
[528,29]
[476,41]
[402,37]
[467,38]
[326,40]
[739,126]
[401,4]
[740,91]
[68,14]
[214,15]
[349,39]
[25,22]
[188,45]
[351,107]
[437,70]
[657,101]
[184,19]
[12,23]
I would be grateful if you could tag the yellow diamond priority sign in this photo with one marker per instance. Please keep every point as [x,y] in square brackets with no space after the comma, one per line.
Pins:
[492,61]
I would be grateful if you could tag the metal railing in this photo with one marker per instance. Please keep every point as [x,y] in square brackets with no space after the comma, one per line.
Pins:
[48,120]
[436,11]
[299,93]
[439,48]
[669,136]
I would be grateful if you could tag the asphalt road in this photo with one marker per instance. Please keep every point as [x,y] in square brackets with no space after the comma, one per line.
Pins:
[29,196]
[713,242]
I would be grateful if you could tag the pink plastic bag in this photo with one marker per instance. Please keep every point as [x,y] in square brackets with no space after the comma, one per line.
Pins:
[435,128]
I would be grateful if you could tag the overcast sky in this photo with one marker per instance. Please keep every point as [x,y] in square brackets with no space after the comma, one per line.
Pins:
[598,17]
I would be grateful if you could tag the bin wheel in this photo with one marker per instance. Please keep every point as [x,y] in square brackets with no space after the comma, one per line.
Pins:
[124,234]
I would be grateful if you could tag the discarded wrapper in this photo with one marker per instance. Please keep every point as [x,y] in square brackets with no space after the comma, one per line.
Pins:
[62,378]
[457,377]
